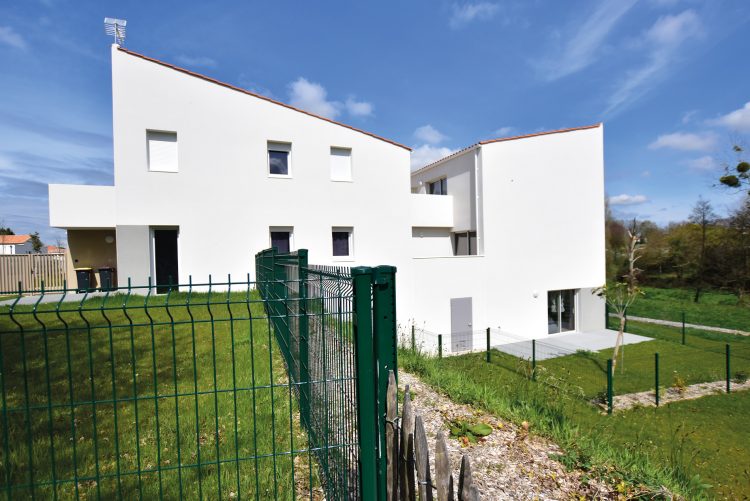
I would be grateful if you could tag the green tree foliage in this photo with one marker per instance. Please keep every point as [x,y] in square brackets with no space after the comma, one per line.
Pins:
[6,231]
[737,175]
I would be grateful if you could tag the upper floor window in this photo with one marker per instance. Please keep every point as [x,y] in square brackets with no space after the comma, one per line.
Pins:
[341,164]
[162,151]
[279,159]
[439,187]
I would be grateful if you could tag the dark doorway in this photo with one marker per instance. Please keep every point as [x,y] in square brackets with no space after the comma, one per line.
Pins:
[165,260]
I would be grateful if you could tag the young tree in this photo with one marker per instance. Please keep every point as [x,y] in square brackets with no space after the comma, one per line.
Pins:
[704,216]
[6,231]
[621,294]
[36,242]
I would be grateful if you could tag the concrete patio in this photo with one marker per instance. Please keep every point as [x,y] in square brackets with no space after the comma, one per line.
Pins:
[567,343]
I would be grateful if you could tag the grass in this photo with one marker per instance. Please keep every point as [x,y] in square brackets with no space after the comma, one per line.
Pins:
[717,309]
[146,407]
[684,446]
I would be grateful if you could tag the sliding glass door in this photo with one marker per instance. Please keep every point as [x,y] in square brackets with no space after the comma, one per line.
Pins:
[561,311]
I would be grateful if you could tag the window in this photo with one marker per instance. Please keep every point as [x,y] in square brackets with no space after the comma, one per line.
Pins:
[281,238]
[465,243]
[439,187]
[162,151]
[561,311]
[342,242]
[279,159]
[341,164]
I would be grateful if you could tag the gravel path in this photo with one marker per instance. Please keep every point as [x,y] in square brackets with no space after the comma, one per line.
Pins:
[647,398]
[509,463]
[689,326]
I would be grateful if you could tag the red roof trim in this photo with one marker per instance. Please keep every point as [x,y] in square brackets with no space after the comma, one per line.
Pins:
[501,139]
[544,133]
[259,96]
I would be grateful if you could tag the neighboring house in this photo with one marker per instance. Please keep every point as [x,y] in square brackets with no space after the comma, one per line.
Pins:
[207,174]
[53,249]
[16,244]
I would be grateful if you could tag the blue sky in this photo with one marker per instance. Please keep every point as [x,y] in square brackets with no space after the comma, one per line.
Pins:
[669,78]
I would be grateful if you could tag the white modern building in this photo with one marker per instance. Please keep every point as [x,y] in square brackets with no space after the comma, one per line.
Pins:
[506,234]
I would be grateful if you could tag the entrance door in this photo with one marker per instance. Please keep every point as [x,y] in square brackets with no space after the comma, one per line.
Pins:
[165,259]
[461,320]
[561,311]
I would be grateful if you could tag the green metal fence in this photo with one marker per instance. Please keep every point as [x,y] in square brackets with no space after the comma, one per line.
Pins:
[232,389]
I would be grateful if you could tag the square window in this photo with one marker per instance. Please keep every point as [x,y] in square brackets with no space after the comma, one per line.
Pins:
[162,151]
[439,187]
[279,159]
[342,242]
[341,164]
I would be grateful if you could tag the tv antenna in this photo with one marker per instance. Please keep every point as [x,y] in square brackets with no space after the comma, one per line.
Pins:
[116,28]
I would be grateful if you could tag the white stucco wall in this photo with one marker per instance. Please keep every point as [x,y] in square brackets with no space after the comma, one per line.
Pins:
[222,198]
[81,206]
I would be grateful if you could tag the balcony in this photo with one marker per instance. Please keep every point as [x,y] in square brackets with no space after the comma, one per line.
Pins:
[431,211]
[81,206]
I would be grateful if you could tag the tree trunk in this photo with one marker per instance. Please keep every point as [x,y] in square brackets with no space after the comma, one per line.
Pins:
[618,342]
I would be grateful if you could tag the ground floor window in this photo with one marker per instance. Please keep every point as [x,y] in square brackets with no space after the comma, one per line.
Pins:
[342,242]
[561,311]
[281,238]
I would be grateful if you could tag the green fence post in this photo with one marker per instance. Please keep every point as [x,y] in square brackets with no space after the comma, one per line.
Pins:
[304,333]
[728,370]
[488,345]
[656,377]
[625,324]
[413,340]
[533,359]
[609,386]
[606,315]
[683,327]
[385,332]
[440,346]
[366,387]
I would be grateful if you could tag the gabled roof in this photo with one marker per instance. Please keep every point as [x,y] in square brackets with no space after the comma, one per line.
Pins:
[14,239]
[501,139]
[259,96]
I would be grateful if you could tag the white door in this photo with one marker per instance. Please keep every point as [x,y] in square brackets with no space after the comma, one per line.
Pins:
[461,324]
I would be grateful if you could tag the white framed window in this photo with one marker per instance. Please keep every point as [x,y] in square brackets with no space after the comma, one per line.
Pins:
[162,151]
[342,242]
[281,237]
[341,164]
[279,159]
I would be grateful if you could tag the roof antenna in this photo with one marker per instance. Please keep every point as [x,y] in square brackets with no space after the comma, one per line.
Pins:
[116,28]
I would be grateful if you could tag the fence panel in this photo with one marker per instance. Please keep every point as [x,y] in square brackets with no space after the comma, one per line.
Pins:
[30,270]
[232,389]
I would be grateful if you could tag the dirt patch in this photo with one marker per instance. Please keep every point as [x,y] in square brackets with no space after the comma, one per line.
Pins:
[648,398]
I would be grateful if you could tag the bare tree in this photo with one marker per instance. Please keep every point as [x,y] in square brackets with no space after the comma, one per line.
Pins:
[621,294]
[704,216]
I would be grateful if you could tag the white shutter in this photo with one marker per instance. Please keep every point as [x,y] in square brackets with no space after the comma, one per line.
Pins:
[341,164]
[162,151]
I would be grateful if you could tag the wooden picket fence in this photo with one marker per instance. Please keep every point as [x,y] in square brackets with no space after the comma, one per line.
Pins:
[30,270]
[407,454]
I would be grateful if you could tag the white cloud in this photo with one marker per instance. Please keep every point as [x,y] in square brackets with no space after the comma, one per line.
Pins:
[504,131]
[197,61]
[625,199]
[662,42]
[358,108]
[9,36]
[738,120]
[704,163]
[587,41]
[685,141]
[426,154]
[688,116]
[429,134]
[312,97]
[466,13]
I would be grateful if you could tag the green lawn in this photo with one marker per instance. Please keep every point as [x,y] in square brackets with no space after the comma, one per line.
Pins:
[186,410]
[665,446]
[717,309]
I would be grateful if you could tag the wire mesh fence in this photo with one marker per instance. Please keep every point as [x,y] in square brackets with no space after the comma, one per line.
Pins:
[230,389]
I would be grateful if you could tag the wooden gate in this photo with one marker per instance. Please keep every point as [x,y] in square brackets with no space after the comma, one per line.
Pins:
[30,270]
